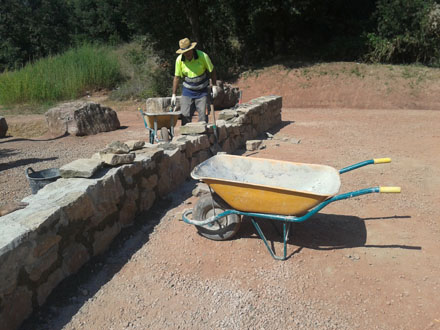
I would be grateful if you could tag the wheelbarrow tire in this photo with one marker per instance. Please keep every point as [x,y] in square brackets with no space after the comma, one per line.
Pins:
[221,230]
[165,134]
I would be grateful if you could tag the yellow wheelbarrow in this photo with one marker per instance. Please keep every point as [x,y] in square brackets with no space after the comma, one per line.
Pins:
[160,121]
[269,189]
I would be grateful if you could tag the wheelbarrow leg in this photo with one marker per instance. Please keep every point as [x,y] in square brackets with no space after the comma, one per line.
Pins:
[286,230]
[172,127]
[155,130]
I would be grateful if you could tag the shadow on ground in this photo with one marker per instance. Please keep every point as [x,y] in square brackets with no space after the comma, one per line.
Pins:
[18,139]
[321,232]
[23,162]
[71,294]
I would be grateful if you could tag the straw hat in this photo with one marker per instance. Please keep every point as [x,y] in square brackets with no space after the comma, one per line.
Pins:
[185,45]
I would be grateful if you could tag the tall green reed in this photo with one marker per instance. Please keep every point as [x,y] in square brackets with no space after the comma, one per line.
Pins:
[61,77]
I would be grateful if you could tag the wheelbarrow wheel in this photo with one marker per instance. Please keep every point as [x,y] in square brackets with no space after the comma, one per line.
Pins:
[165,134]
[221,230]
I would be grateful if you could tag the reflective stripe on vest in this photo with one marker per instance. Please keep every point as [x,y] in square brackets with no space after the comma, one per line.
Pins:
[196,83]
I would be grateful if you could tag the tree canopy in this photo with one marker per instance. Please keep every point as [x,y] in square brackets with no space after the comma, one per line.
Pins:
[233,32]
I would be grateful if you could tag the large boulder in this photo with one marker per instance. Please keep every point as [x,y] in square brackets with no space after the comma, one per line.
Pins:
[81,118]
[228,96]
[3,127]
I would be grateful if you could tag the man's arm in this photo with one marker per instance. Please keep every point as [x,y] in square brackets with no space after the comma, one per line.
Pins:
[176,84]
[213,77]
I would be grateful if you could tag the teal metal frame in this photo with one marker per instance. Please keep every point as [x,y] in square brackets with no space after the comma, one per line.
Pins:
[287,220]
[153,131]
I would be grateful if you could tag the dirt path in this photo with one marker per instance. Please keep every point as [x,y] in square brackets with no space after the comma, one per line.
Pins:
[370,262]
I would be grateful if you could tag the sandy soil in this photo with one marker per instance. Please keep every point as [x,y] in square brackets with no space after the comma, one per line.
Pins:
[370,262]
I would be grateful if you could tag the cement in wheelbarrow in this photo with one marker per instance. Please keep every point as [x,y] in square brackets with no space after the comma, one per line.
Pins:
[268,186]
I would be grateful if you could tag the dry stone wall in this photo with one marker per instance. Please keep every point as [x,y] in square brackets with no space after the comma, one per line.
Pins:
[73,219]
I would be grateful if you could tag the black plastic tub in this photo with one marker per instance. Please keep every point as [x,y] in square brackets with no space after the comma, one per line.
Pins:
[38,179]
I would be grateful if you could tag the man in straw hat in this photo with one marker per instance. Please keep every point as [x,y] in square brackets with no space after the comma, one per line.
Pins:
[194,67]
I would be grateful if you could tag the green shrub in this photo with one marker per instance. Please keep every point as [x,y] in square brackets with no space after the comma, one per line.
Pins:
[144,74]
[61,77]
[407,31]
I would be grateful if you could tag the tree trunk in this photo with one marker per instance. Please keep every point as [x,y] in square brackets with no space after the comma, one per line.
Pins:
[192,13]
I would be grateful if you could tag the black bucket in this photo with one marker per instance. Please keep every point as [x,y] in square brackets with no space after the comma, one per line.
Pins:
[38,179]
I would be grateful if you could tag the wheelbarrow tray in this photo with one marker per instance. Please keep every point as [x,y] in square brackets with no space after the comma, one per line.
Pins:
[259,185]
[163,119]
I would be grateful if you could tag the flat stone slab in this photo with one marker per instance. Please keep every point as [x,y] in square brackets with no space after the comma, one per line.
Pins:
[117,159]
[193,128]
[252,145]
[227,115]
[135,144]
[81,168]
[115,147]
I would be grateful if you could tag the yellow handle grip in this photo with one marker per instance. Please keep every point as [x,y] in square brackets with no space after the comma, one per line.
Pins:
[382,160]
[389,189]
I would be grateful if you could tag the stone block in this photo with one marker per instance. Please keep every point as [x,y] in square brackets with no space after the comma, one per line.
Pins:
[74,256]
[149,183]
[3,127]
[44,244]
[252,145]
[193,128]
[147,200]
[11,261]
[115,147]
[173,170]
[227,97]
[134,144]
[43,263]
[46,288]
[103,238]
[200,157]
[81,168]
[227,146]
[15,307]
[227,115]
[129,172]
[118,159]
[128,209]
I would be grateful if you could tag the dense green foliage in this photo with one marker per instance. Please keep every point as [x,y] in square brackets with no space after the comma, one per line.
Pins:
[235,33]
[61,77]
[143,74]
[407,31]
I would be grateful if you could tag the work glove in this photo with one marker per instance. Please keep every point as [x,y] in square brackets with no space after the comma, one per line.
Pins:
[215,91]
[173,100]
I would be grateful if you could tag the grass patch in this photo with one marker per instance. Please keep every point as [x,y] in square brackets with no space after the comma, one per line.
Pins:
[61,77]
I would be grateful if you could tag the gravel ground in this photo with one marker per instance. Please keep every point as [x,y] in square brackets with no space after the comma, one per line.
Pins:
[137,285]
[370,262]
[17,154]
